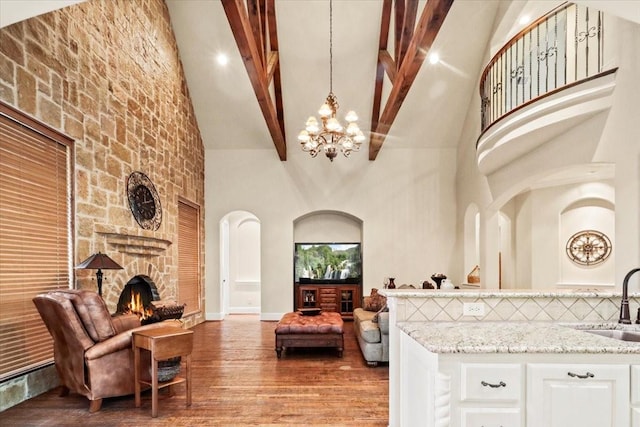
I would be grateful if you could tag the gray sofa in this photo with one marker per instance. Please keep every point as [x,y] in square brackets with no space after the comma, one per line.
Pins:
[373,338]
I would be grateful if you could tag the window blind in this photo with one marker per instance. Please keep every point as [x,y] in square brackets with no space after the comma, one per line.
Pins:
[35,235]
[189,265]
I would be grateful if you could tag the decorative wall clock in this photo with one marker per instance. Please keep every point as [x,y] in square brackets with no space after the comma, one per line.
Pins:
[588,247]
[144,201]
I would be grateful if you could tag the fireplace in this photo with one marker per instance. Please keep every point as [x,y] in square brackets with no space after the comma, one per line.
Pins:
[140,296]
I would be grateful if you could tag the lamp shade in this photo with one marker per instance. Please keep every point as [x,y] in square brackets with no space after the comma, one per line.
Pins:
[99,261]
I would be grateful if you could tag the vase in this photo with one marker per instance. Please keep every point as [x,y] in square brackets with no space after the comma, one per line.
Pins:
[438,280]
[392,284]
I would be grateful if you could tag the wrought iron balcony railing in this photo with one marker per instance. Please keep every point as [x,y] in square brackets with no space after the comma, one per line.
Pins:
[561,48]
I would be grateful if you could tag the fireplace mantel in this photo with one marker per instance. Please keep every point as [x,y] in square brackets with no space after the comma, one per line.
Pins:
[133,241]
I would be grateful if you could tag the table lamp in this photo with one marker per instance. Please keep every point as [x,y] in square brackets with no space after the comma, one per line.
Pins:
[99,261]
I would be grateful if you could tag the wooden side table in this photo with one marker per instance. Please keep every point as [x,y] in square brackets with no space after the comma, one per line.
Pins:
[163,343]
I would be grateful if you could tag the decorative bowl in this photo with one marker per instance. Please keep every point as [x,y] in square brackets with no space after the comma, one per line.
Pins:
[168,369]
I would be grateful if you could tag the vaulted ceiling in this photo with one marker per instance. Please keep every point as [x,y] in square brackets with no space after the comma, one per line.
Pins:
[263,96]
[254,27]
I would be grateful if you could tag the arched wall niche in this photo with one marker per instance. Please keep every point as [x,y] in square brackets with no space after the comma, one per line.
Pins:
[327,226]
[590,202]
[590,213]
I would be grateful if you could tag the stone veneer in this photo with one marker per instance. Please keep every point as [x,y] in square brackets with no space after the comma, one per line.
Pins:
[108,74]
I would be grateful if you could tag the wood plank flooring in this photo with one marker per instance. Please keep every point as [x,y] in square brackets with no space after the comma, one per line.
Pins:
[238,381]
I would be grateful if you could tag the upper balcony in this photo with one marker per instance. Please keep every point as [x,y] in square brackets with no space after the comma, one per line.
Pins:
[547,79]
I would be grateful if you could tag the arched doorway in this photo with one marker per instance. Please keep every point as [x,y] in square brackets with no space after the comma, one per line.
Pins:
[240,273]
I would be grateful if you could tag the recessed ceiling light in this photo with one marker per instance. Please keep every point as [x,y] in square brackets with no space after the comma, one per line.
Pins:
[222,59]
[434,58]
[525,19]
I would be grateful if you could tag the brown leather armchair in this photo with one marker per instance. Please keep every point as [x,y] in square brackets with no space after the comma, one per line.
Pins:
[92,350]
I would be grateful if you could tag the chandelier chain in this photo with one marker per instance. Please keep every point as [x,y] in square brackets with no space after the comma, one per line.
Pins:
[330,46]
[328,135]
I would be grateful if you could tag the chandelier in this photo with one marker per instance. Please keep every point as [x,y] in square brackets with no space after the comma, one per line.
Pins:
[331,136]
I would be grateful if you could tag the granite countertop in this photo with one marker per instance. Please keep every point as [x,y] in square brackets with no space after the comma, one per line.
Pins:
[516,337]
[503,293]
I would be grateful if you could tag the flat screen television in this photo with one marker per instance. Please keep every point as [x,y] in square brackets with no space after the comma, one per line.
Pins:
[327,263]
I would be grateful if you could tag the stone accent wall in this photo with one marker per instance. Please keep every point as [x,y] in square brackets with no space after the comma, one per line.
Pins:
[108,74]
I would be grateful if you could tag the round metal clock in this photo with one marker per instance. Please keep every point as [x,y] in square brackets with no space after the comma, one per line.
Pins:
[144,201]
[588,247]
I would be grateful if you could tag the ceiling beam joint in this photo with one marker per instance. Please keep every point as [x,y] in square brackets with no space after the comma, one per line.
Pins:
[431,20]
[249,30]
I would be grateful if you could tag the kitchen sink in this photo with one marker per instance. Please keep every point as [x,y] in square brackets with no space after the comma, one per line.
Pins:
[617,334]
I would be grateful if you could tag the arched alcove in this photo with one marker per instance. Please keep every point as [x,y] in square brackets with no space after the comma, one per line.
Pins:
[327,226]
[581,215]
[328,261]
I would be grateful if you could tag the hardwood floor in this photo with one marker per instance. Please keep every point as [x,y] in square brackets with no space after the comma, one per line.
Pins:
[238,381]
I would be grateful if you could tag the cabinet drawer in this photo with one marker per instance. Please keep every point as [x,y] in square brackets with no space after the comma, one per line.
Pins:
[491,382]
[489,417]
[635,385]
[328,306]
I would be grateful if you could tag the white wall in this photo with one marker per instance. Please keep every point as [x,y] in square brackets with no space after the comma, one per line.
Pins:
[618,143]
[412,202]
[405,199]
[546,218]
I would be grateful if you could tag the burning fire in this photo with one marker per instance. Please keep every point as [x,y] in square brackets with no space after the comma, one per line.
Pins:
[136,307]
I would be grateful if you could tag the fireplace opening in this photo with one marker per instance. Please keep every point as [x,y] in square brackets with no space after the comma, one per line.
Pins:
[140,296]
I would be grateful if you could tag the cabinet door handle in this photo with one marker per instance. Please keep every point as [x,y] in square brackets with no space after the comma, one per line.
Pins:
[500,384]
[587,375]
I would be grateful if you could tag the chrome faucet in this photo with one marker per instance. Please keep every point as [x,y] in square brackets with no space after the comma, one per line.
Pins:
[625,316]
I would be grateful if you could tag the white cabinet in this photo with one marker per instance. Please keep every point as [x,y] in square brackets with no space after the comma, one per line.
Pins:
[560,395]
[491,382]
[490,395]
[635,395]
[490,417]
[516,389]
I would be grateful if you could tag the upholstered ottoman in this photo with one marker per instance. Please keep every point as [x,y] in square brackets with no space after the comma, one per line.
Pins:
[322,330]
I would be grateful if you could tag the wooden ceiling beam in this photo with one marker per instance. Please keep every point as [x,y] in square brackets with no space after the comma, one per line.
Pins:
[398,24]
[406,33]
[255,10]
[431,20]
[249,32]
[275,75]
[384,57]
[382,62]
[272,63]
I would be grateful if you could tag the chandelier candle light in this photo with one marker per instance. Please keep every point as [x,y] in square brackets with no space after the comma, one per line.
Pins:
[332,135]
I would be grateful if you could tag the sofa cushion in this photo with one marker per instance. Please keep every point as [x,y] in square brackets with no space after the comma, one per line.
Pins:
[369,331]
[375,301]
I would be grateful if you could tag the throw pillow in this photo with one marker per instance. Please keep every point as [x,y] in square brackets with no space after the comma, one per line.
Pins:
[375,301]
